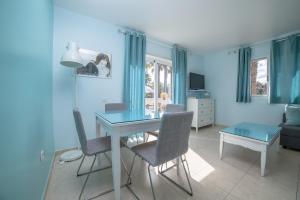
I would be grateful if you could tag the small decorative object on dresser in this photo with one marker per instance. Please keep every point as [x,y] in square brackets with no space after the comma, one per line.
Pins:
[203,111]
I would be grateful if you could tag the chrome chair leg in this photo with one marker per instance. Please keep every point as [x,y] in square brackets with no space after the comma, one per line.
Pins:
[137,139]
[129,179]
[147,138]
[93,171]
[86,179]
[187,176]
[149,173]
[130,170]
[80,166]
[126,171]
[107,191]
[187,165]
[175,183]
[161,167]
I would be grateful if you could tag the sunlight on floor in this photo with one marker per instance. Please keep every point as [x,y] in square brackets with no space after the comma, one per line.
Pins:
[199,168]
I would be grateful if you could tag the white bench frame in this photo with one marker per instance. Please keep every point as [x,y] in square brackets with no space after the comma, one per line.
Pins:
[255,145]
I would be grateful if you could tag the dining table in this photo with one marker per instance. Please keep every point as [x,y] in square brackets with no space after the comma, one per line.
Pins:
[122,124]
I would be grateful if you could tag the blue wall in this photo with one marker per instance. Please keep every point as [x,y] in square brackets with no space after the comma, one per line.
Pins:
[26,97]
[92,93]
[221,78]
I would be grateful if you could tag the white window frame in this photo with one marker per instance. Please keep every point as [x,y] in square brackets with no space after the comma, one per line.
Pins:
[156,74]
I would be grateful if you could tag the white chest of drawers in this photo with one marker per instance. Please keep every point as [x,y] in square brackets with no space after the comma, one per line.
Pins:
[203,112]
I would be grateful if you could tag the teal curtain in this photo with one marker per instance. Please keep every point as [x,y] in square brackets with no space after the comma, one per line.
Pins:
[134,70]
[243,93]
[285,71]
[179,74]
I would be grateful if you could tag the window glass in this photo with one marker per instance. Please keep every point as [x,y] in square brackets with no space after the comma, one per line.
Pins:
[158,83]
[259,77]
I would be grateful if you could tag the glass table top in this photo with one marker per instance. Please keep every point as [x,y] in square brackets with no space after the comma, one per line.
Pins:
[254,131]
[128,116]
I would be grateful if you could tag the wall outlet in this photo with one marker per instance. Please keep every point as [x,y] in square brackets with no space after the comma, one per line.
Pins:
[42,155]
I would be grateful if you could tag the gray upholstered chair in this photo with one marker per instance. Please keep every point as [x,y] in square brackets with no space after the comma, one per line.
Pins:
[174,108]
[172,143]
[169,109]
[115,107]
[92,147]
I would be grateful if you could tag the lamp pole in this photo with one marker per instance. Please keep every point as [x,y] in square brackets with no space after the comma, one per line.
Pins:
[72,59]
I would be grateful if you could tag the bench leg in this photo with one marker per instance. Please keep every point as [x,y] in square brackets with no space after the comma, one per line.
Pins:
[221,145]
[263,158]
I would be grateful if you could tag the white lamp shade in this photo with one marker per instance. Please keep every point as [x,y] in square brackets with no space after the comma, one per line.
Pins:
[71,58]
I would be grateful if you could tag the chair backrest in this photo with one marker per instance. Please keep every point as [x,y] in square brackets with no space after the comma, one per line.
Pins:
[80,130]
[173,136]
[115,107]
[174,108]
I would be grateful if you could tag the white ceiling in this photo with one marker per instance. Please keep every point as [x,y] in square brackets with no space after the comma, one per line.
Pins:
[200,25]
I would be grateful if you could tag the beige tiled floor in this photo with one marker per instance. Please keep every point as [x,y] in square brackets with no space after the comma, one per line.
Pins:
[236,177]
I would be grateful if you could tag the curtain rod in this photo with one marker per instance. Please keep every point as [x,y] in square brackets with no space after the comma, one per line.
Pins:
[286,37]
[153,41]
[234,50]
[278,38]
[124,31]
[150,40]
[121,31]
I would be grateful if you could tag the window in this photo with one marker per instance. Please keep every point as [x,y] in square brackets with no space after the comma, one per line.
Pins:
[158,83]
[259,77]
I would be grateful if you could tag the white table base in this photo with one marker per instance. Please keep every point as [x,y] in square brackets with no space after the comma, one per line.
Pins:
[252,144]
[116,131]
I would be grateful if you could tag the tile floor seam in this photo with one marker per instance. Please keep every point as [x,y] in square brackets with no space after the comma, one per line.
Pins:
[171,185]
[252,163]
[246,172]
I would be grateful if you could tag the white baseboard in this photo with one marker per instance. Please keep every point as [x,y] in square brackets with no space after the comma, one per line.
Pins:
[49,176]
[55,154]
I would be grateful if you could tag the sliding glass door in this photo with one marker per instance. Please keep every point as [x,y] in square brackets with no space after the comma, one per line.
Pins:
[158,83]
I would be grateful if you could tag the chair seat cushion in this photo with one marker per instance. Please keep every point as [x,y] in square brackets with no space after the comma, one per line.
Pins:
[98,145]
[288,130]
[147,151]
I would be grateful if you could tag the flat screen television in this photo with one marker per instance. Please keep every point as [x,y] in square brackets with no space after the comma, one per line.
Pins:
[197,81]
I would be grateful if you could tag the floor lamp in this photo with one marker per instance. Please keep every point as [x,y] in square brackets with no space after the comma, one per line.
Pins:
[72,59]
